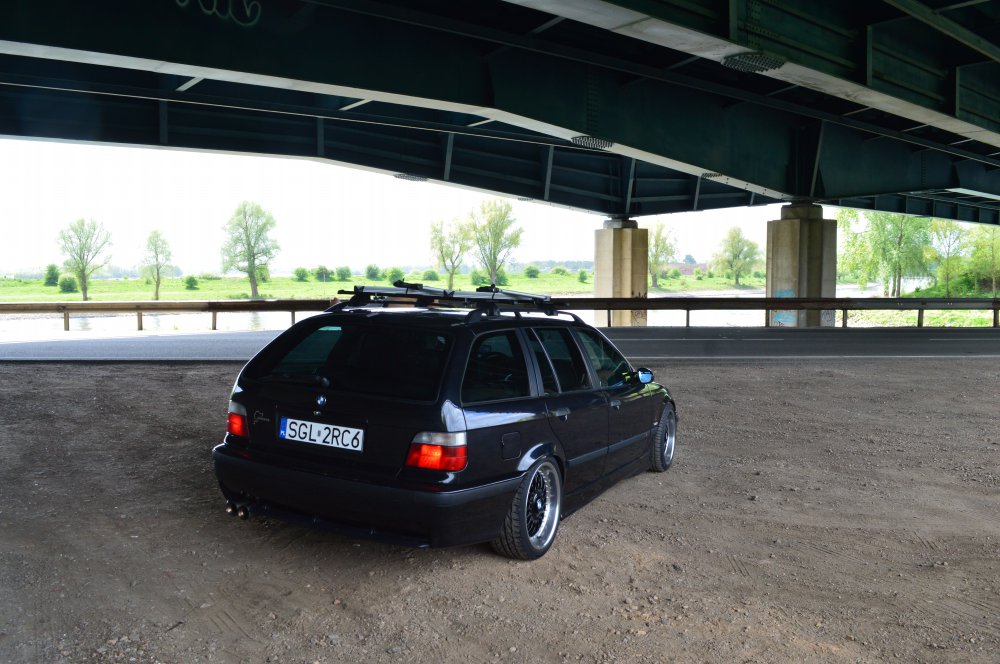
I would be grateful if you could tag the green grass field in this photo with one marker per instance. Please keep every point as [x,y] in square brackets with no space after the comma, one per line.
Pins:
[33,290]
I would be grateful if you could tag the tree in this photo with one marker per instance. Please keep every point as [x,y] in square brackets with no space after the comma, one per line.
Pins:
[52,275]
[343,273]
[689,260]
[531,271]
[67,285]
[737,254]
[156,263]
[985,260]
[191,283]
[372,272]
[948,239]
[493,235]
[661,251]
[393,274]
[322,273]
[84,243]
[248,248]
[888,247]
[450,246]
[301,274]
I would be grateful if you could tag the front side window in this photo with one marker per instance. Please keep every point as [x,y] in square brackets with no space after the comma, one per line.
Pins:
[566,359]
[611,366]
[395,362]
[496,369]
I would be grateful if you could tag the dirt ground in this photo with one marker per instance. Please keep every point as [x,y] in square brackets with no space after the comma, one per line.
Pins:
[834,511]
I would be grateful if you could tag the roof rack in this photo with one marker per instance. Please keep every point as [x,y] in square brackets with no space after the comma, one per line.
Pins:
[485,300]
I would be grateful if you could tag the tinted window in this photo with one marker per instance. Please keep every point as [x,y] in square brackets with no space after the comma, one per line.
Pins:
[566,359]
[549,384]
[496,369]
[612,368]
[388,361]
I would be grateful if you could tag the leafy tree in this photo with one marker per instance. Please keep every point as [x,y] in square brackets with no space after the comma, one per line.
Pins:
[449,246]
[689,260]
[985,261]
[887,247]
[156,263]
[737,254]
[560,270]
[661,251]
[52,275]
[531,271]
[248,247]
[67,285]
[493,235]
[301,274]
[393,274]
[343,273]
[582,276]
[431,275]
[191,283]
[948,239]
[477,278]
[322,273]
[373,273]
[85,243]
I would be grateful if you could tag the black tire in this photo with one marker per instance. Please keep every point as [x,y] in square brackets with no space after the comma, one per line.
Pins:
[665,441]
[531,524]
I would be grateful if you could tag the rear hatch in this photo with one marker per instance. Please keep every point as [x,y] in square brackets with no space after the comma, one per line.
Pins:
[345,397]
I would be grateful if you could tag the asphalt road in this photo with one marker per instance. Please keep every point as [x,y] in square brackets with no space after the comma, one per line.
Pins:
[639,344]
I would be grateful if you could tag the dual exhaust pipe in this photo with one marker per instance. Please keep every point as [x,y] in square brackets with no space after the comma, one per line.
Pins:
[236,509]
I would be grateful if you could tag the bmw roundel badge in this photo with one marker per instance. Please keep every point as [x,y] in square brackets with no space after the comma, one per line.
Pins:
[321,400]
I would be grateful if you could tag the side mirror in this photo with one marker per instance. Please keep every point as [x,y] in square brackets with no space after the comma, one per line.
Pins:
[644,375]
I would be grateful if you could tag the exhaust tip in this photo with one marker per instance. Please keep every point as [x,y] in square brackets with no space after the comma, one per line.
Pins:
[243,512]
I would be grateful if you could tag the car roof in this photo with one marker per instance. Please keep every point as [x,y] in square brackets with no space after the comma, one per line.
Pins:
[447,318]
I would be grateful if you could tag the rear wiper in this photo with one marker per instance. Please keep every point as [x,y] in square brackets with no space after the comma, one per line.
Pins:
[296,378]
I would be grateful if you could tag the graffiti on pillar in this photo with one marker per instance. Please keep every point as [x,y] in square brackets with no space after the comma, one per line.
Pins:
[245,13]
[785,318]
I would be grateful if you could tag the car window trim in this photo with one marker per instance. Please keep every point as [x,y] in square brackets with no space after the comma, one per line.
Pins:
[533,392]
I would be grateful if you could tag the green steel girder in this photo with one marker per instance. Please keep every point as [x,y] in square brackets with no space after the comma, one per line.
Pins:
[290,77]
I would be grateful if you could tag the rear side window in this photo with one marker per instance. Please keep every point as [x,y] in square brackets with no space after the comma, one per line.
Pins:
[566,359]
[395,362]
[496,369]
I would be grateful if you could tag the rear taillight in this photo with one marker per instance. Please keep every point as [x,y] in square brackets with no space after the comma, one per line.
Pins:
[237,425]
[438,451]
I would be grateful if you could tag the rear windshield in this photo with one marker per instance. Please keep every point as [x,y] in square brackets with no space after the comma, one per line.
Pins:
[394,362]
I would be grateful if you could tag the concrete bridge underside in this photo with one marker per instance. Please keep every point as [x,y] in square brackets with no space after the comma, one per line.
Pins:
[622,108]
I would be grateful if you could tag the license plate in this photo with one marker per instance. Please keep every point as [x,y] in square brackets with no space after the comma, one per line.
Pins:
[344,438]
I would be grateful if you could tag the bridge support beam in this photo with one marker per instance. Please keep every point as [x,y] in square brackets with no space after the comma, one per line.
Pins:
[802,262]
[621,254]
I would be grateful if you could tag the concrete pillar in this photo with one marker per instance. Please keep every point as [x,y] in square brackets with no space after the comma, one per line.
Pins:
[802,262]
[621,255]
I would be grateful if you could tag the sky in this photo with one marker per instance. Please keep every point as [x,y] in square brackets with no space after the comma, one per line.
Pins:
[326,214]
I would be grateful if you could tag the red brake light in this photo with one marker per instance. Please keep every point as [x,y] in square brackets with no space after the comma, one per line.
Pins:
[437,457]
[237,425]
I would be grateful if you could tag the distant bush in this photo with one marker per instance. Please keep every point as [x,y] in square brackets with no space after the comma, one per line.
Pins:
[322,273]
[393,274]
[582,276]
[531,272]
[675,274]
[710,274]
[208,276]
[757,274]
[502,279]
[373,273]
[478,278]
[343,273]
[431,275]
[560,270]
[67,285]
[698,275]
[301,274]
[191,283]
[52,275]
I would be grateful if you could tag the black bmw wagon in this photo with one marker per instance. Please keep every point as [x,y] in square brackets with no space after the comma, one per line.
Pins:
[435,418]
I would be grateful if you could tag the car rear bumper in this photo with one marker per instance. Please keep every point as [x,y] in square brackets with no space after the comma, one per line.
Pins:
[399,515]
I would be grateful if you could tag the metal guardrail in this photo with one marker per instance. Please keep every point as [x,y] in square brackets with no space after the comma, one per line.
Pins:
[686,304]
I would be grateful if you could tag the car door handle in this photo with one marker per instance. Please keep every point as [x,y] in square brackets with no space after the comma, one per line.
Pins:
[616,404]
[561,413]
